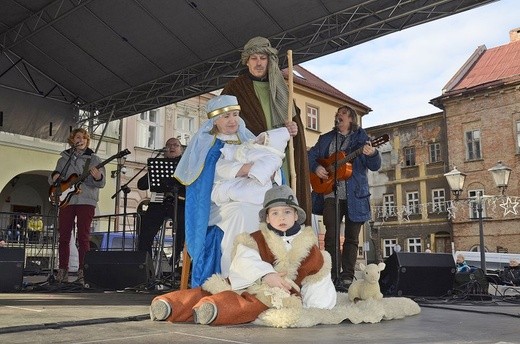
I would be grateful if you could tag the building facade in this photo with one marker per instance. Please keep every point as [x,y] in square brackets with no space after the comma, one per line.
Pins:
[482,108]
[409,192]
[413,206]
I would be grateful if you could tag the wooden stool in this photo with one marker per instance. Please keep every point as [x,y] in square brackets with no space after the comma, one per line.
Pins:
[185,273]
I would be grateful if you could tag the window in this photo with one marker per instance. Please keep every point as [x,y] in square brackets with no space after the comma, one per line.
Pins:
[386,160]
[435,152]
[518,136]
[412,202]
[388,247]
[438,201]
[388,205]
[185,127]
[414,245]
[473,145]
[149,126]
[185,124]
[474,195]
[312,117]
[409,156]
[111,131]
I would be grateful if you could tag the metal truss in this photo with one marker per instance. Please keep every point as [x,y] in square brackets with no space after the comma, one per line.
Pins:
[38,82]
[349,27]
[333,33]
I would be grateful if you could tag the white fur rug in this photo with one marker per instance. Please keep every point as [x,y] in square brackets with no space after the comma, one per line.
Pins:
[367,311]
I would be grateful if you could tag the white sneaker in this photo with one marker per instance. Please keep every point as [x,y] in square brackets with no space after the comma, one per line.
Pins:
[205,314]
[160,310]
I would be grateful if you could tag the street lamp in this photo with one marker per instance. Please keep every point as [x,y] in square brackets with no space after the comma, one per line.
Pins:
[501,174]
[455,178]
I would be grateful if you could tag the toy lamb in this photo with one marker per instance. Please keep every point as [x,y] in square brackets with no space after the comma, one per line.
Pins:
[368,287]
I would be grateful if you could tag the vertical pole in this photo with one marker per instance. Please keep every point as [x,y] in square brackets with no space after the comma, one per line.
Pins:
[290,158]
[481,235]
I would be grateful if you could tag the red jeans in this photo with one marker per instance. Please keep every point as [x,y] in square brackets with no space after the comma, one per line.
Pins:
[67,215]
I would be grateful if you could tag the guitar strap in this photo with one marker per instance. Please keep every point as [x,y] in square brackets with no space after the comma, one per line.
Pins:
[86,167]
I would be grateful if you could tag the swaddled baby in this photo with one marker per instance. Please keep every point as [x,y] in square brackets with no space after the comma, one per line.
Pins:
[266,153]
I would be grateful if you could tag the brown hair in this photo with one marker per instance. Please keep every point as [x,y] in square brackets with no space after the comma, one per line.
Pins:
[353,114]
[73,133]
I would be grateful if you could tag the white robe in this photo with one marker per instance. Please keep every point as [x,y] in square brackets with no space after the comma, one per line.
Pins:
[236,202]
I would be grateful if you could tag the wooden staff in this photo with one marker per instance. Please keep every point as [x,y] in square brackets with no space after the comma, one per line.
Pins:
[292,169]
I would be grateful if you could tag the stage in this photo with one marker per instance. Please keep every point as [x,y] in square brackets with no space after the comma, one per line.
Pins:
[85,316]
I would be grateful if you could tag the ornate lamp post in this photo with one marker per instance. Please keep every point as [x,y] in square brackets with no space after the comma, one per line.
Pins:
[455,178]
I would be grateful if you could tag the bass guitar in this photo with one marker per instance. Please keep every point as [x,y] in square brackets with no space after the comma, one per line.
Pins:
[71,186]
[344,164]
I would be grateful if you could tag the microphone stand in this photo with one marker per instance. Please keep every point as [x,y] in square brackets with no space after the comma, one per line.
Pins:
[158,266]
[336,213]
[126,190]
[57,193]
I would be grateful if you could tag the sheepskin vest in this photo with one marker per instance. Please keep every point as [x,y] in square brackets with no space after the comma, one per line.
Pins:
[304,259]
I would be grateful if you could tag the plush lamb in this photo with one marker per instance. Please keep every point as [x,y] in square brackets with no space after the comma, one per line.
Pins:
[368,287]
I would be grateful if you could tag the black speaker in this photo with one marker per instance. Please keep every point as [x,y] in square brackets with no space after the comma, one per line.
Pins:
[472,282]
[418,274]
[11,269]
[117,269]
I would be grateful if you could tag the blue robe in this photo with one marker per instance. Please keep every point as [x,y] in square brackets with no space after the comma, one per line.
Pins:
[203,242]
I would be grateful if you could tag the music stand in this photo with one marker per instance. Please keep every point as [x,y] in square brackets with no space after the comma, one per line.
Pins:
[161,180]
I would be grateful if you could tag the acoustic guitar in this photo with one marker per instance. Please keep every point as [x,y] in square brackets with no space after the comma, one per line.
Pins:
[344,164]
[71,186]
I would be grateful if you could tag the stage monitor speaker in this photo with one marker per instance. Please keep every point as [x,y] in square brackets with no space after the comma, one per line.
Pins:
[117,269]
[11,269]
[472,282]
[418,274]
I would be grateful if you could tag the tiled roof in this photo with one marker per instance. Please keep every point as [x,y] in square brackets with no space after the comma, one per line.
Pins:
[305,78]
[500,64]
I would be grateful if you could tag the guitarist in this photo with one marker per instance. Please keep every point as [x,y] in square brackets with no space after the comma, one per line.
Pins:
[352,193]
[82,205]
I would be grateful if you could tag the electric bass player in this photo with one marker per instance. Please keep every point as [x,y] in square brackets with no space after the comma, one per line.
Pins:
[349,196]
[79,160]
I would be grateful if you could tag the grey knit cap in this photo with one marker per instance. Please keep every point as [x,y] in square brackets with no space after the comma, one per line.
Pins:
[281,196]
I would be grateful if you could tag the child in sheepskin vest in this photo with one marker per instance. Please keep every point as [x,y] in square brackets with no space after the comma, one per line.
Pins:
[279,266]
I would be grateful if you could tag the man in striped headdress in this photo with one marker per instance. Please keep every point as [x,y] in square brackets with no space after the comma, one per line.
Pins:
[263,97]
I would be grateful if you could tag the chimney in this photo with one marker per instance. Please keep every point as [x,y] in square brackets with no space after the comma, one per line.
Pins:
[514,35]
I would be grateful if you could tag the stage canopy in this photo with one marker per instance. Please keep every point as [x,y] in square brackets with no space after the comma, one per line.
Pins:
[116,58]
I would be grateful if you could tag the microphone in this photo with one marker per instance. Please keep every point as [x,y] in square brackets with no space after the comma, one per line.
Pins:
[161,150]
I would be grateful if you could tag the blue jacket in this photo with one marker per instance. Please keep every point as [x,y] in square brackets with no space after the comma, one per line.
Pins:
[358,194]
